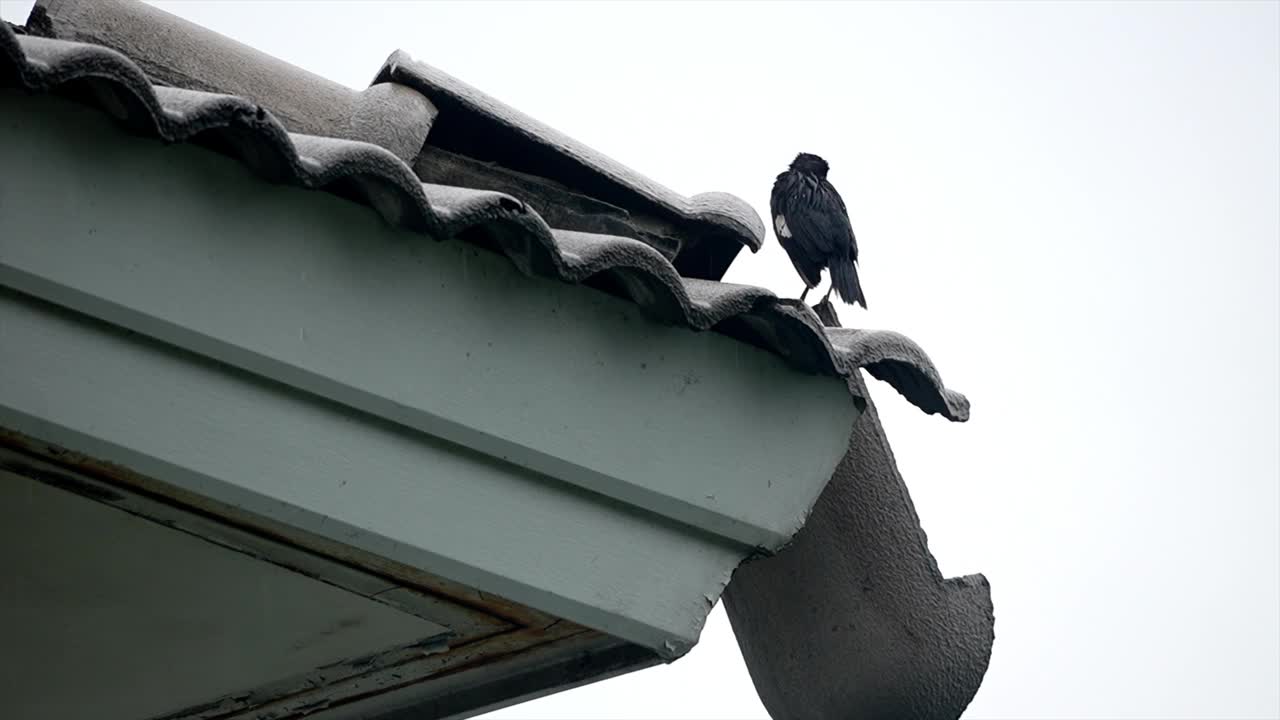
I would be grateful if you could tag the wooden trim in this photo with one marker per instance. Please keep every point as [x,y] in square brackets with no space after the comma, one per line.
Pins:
[484,663]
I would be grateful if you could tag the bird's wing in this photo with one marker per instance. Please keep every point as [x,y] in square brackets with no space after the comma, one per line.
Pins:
[844,215]
[777,208]
[809,268]
[818,221]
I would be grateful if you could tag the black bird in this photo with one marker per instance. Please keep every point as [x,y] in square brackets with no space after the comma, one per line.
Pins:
[812,225]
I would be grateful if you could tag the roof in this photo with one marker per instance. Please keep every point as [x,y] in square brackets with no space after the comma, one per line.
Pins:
[433,156]
[375,176]
[711,227]
[477,125]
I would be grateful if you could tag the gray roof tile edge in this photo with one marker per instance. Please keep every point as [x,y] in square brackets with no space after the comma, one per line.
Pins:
[371,175]
[719,209]
[177,52]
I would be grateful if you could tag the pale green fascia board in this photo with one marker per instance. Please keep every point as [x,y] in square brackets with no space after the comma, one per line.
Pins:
[319,296]
[186,246]
[303,462]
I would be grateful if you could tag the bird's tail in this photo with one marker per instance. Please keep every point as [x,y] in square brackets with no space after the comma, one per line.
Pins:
[844,278]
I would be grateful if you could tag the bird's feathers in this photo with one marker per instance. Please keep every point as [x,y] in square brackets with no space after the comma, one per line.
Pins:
[812,225]
[844,279]
[780,226]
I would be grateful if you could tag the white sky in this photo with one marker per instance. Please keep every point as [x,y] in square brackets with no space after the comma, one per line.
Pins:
[1075,208]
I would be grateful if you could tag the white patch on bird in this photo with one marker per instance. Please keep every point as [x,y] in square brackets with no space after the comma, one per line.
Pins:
[780,227]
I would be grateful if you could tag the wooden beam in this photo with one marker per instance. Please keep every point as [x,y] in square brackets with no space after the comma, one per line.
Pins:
[464,624]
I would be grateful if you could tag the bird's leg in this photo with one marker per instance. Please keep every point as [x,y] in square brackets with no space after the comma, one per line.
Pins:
[806,292]
[827,297]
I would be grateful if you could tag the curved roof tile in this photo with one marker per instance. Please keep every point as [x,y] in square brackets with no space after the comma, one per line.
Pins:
[712,210]
[371,175]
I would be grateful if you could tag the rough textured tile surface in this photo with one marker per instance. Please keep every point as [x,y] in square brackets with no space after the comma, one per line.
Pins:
[476,123]
[854,619]
[701,234]
[374,176]
[178,53]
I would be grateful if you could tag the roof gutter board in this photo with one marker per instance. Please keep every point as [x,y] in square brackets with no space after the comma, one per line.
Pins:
[319,294]
[292,460]
[655,423]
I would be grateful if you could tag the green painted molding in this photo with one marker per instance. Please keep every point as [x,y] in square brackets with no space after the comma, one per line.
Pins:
[187,247]
[303,462]
[287,353]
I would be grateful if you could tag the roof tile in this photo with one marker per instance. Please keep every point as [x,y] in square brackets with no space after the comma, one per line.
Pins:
[376,177]
[179,53]
[712,210]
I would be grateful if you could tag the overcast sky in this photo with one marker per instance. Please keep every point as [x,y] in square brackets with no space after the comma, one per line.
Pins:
[1075,208]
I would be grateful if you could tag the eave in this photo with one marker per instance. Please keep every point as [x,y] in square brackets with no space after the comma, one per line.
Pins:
[568,392]
[285,360]
[212,612]
[310,369]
